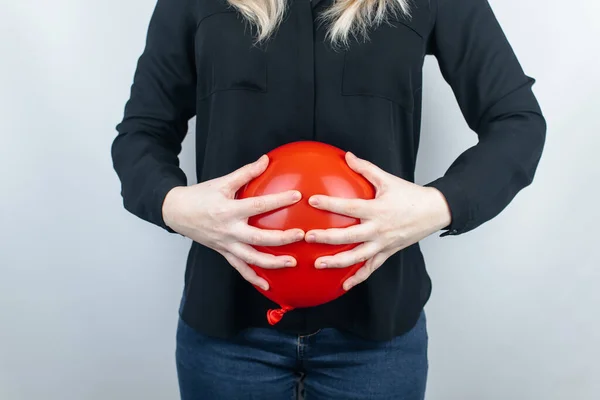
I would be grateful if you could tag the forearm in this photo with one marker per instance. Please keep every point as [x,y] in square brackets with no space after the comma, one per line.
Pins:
[148,170]
[485,178]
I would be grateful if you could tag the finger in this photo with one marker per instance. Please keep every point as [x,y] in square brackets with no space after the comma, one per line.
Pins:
[357,208]
[353,234]
[245,271]
[241,176]
[261,204]
[251,256]
[359,254]
[266,237]
[374,174]
[365,271]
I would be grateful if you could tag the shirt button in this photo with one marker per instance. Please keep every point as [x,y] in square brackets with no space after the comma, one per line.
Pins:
[450,232]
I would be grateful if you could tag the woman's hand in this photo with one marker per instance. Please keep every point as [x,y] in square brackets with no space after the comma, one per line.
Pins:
[401,214]
[208,213]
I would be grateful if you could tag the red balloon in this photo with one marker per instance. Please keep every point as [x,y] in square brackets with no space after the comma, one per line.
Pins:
[311,168]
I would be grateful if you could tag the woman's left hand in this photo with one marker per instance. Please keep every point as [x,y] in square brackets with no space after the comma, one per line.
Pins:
[401,214]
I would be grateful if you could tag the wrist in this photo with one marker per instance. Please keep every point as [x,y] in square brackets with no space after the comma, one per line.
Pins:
[441,215]
[170,205]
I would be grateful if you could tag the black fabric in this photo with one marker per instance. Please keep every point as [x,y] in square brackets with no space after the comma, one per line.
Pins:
[199,60]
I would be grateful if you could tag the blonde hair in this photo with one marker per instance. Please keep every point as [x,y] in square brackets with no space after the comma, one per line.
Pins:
[346,18]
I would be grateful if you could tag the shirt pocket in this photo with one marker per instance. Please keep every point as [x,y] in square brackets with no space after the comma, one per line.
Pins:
[388,65]
[227,57]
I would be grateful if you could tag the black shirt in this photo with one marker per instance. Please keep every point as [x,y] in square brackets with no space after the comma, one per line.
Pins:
[199,60]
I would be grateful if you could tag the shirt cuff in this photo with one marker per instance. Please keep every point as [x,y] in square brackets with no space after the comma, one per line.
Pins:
[159,193]
[460,210]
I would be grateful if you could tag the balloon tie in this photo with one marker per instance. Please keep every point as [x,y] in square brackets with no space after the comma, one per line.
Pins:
[275,315]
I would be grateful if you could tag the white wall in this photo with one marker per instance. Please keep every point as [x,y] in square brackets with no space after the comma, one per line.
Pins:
[88,293]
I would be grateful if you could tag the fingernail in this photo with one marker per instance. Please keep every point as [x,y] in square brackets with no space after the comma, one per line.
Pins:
[289,263]
[322,265]
[265,287]
[300,236]
[310,238]
[314,201]
[297,196]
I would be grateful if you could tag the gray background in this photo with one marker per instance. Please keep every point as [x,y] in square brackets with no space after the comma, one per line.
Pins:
[89,293]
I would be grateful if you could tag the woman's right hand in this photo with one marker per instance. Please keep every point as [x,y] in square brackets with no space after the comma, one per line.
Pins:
[209,214]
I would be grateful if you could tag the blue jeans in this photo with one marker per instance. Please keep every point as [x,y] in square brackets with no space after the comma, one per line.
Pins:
[266,364]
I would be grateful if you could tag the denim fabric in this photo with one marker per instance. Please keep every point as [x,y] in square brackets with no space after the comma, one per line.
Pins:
[329,364]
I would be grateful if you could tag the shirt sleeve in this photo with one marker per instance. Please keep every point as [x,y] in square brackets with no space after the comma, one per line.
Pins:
[497,102]
[146,149]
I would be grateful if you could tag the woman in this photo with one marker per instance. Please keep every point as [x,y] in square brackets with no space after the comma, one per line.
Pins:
[261,73]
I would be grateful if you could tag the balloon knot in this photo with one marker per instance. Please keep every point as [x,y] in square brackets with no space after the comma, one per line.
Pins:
[274,316]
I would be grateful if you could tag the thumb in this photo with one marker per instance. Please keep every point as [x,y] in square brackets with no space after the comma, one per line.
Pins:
[241,176]
[374,174]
